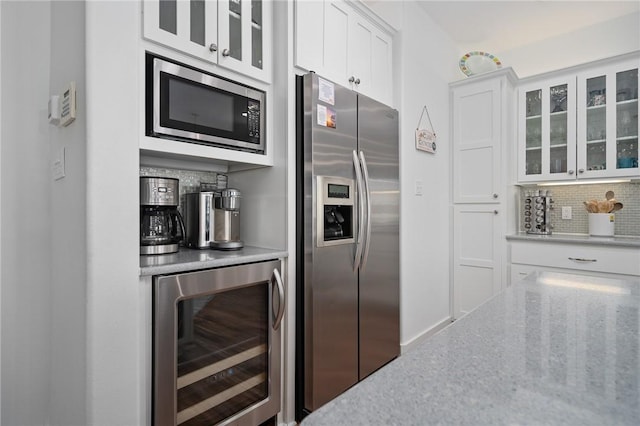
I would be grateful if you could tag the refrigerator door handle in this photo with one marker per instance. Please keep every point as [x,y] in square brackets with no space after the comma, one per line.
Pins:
[367,239]
[361,202]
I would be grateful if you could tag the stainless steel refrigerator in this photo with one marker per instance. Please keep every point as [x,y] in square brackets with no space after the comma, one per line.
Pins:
[347,240]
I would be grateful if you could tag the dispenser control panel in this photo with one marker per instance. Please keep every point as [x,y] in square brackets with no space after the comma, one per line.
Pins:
[335,211]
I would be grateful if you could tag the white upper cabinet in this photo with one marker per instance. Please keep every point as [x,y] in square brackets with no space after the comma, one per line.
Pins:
[581,124]
[235,34]
[191,27]
[608,121]
[477,142]
[342,44]
[547,130]
[244,33]
[370,61]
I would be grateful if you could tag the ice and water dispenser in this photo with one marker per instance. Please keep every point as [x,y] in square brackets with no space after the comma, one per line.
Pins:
[335,211]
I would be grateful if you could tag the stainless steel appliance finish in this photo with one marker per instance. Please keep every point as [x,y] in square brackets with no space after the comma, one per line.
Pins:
[348,307]
[334,211]
[217,345]
[229,199]
[537,212]
[191,105]
[213,220]
[161,225]
[159,191]
[226,234]
[227,230]
[199,219]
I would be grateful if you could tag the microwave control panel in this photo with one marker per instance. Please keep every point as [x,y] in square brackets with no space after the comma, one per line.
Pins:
[253,118]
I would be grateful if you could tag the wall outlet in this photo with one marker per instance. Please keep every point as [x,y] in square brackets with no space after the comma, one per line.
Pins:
[418,187]
[566,212]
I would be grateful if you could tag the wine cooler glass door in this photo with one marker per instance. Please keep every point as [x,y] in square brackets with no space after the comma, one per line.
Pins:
[221,346]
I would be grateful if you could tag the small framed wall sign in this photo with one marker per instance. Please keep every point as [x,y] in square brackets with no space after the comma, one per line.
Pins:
[425,136]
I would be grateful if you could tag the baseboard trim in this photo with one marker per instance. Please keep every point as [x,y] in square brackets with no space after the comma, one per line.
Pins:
[406,347]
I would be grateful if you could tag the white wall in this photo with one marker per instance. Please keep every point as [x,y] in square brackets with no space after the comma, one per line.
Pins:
[26,203]
[428,62]
[424,54]
[68,222]
[115,369]
[610,38]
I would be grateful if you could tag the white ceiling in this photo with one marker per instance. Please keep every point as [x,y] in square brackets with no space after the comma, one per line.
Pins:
[498,26]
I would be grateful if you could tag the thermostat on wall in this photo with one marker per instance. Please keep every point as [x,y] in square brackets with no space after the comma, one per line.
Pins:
[68,105]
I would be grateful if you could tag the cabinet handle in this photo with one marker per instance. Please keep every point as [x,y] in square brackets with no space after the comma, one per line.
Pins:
[582,260]
[580,170]
[570,172]
[495,195]
[357,81]
[352,79]
[213,47]
[495,212]
[226,52]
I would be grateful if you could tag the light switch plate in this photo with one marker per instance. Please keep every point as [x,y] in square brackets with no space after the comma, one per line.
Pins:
[58,166]
[566,212]
[418,187]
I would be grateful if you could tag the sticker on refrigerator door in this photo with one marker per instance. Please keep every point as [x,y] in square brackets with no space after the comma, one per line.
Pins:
[326,91]
[326,117]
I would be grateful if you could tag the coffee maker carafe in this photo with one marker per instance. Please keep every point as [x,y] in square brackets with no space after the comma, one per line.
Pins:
[226,220]
[161,226]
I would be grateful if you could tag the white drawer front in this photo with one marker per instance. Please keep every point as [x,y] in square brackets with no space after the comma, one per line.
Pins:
[617,260]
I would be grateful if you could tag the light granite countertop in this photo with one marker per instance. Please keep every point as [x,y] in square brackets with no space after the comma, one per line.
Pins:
[553,349]
[620,241]
[190,259]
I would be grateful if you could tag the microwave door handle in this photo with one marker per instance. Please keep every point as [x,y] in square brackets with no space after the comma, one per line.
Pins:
[281,298]
[361,201]
[367,191]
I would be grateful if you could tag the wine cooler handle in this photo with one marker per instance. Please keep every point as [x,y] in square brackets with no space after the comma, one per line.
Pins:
[278,278]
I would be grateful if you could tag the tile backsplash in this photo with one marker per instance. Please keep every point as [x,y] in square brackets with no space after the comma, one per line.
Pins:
[189,180]
[627,220]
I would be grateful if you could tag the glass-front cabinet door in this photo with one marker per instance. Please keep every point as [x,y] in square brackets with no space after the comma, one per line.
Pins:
[608,121]
[189,26]
[235,34]
[244,33]
[547,130]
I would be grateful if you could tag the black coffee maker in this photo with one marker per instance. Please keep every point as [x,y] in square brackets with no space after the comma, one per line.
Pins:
[161,226]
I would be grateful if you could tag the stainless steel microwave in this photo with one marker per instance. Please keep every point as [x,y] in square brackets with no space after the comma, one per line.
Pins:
[191,105]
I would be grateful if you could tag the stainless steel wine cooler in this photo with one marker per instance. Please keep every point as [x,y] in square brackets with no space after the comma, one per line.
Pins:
[217,345]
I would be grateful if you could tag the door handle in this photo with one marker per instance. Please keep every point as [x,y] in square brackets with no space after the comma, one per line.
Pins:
[367,193]
[583,260]
[360,189]
[281,298]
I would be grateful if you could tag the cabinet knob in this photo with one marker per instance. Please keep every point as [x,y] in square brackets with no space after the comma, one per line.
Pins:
[213,47]
[226,52]
[352,79]
[580,170]
[495,212]
[570,172]
[495,195]
[357,81]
